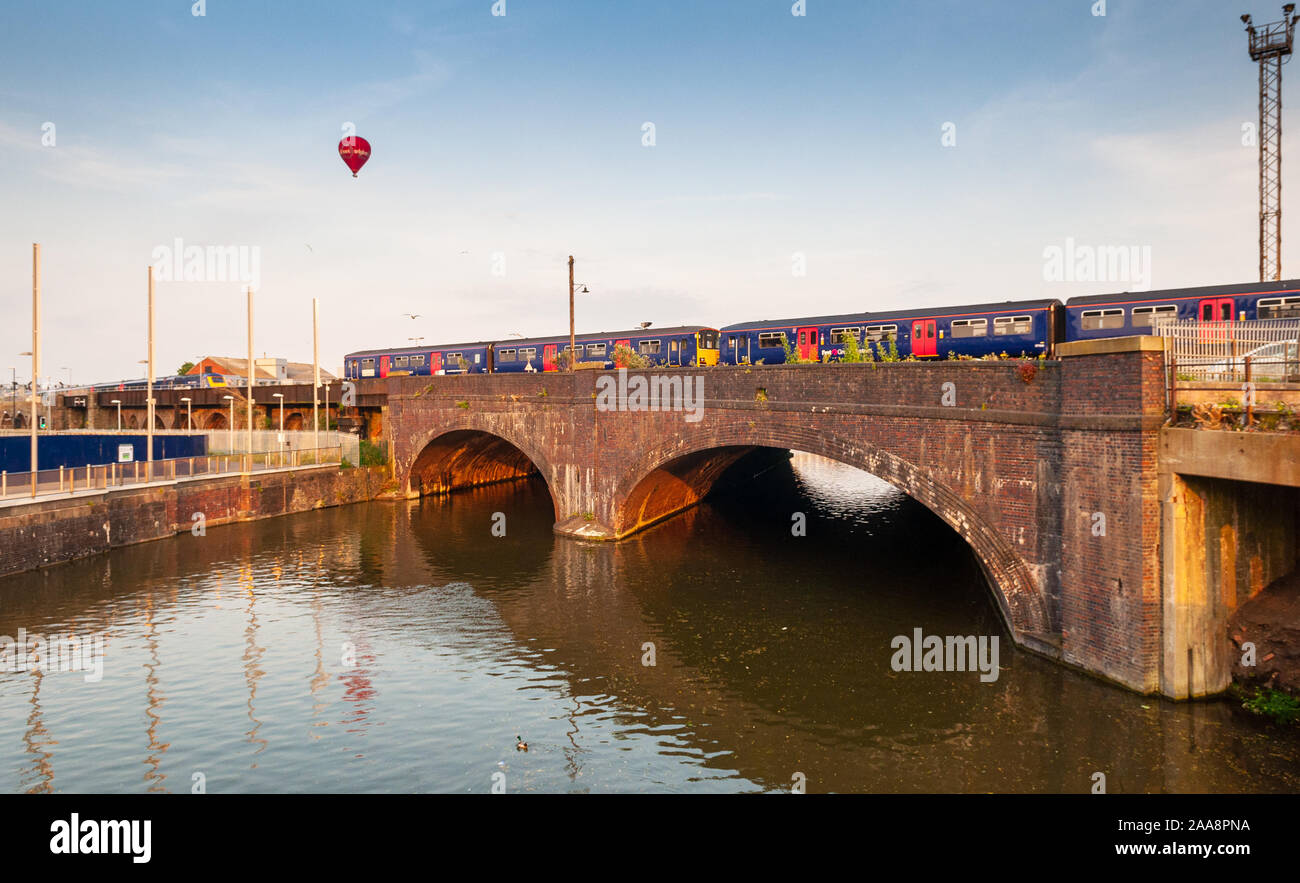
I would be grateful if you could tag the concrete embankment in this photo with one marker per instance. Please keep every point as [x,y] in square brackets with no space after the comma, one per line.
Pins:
[53,530]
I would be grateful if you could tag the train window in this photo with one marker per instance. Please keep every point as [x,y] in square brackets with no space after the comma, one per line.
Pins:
[731,343]
[1095,320]
[648,347]
[1003,325]
[709,339]
[880,332]
[417,360]
[1279,308]
[530,353]
[772,339]
[841,335]
[367,367]
[970,327]
[451,357]
[505,355]
[478,357]
[400,361]
[672,345]
[1146,317]
[595,349]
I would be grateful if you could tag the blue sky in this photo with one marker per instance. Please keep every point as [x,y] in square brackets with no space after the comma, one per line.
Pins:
[506,143]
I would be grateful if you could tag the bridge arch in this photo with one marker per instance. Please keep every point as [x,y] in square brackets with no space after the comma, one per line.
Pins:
[451,458]
[665,479]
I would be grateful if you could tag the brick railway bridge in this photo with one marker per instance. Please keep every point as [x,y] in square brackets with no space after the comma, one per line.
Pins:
[1110,541]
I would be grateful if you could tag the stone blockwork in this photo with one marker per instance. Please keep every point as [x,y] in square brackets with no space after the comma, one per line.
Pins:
[1051,470]
[983,453]
[1112,408]
[49,532]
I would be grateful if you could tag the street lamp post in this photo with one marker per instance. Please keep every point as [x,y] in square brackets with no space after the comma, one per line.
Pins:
[36,349]
[148,468]
[573,348]
[327,405]
[118,402]
[231,432]
[280,437]
[189,412]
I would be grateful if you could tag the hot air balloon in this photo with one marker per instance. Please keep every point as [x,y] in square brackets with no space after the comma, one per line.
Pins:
[355,151]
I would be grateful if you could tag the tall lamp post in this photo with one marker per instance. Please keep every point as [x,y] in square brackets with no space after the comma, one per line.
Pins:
[36,349]
[573,348]
[231,433]
[251,371]
[189,412]
[148,468]
[327,404]
[280,396]
[118,402]
[315,374]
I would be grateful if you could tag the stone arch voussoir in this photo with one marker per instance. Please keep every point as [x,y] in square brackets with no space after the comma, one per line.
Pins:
[1023,602]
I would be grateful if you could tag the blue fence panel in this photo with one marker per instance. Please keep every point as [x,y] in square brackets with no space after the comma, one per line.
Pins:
[79,450]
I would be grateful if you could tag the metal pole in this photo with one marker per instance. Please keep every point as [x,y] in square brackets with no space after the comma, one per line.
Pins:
[573,355]
[148,444]
[1250,396]
[36,348]
[315,370]
[250,372]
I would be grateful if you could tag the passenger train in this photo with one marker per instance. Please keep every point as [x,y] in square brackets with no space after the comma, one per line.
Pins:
[1018,328]
[174,381]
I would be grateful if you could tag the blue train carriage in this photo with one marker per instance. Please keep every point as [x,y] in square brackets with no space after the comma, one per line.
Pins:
[681,346]
[1136,312]
[1030,328]
[456,358]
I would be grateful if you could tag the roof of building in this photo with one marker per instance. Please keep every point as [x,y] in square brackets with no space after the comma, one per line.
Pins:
[297,372]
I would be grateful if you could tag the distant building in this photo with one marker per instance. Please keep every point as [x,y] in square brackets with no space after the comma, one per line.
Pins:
[266,370]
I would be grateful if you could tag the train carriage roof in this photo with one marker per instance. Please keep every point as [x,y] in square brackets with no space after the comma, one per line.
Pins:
[882,316]
[1284,286]
[407,350]
[635,333]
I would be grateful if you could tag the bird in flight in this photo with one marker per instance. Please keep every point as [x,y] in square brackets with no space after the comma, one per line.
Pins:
[411,315]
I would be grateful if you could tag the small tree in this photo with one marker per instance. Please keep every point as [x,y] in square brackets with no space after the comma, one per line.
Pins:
[626,357]
[792,356]
[852,352]
[185,368]
[887,349]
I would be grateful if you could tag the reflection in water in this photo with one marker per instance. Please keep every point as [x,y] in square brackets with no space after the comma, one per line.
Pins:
[771,658]
[153,701]
[37,740]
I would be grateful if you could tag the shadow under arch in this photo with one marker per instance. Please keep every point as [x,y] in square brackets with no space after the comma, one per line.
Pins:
[450,460]
[663,481]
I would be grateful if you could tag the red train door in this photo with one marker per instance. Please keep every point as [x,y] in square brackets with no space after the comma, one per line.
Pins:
[435,363]
[548,357]
[924,340]
[383,366]
[618,343]
[1214,309]
[808,344]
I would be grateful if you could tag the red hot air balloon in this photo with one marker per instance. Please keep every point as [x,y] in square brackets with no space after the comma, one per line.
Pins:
[355,151]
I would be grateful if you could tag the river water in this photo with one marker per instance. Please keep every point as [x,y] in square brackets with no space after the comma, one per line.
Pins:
[404,647]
